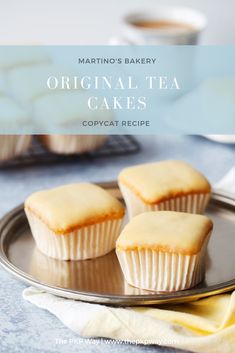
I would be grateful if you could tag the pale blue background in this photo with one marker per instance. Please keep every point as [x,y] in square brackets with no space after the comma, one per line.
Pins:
[187,110]
[23,327]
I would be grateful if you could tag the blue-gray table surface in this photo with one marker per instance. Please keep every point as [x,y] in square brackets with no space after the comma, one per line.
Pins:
[28,329]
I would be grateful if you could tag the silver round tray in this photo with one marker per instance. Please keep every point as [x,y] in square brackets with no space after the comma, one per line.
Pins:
[100,280]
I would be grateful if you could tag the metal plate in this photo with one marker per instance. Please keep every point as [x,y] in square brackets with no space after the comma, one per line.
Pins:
[100,280]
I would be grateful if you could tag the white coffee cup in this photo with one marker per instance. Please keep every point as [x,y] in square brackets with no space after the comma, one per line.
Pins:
[191,23]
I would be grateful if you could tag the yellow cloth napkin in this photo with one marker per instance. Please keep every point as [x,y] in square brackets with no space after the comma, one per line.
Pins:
[205,326]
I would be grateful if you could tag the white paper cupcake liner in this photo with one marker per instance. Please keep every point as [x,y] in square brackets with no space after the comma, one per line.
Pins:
[163,271]
[85,243]
[195,203]
[69,144]
[13,145]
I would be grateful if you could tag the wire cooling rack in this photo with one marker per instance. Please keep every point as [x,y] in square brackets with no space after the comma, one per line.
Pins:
[116,145]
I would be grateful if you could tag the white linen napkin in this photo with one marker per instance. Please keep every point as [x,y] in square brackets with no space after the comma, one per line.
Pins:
[186,326]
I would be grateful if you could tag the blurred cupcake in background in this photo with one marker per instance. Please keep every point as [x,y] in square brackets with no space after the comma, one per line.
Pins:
[62,113]
[72,144]
[17,56]
[27,83]
[12,117]
[13,145]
